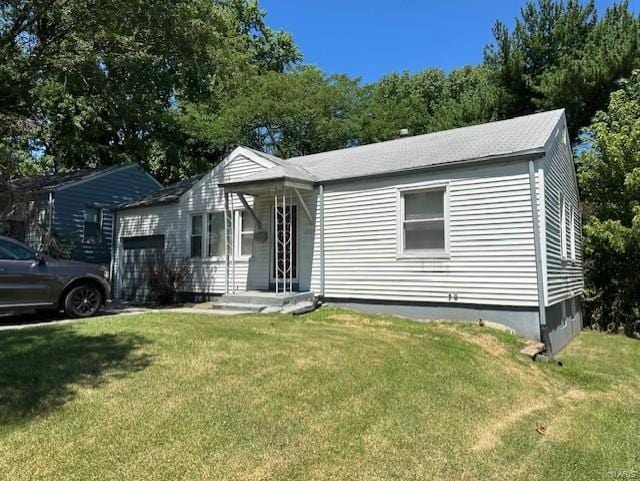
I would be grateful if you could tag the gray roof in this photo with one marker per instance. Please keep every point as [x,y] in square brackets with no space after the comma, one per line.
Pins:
[167,195]
[520,135]
[49,183]
[506,138]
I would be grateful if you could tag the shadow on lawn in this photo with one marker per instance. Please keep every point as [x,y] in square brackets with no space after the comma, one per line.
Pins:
[40,369]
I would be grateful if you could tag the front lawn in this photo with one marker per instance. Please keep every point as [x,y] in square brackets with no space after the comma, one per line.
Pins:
[330,395]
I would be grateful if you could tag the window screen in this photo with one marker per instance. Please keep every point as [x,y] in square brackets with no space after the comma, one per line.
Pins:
[196,236]
[216,234]
[246,233]
[423,220]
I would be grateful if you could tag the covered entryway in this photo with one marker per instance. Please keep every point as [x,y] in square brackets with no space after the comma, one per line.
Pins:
[282,194]
[137,253]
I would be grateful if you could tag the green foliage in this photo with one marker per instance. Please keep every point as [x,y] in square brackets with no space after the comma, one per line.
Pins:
[99,83]
[402,101]
[295,113]
[562,55]
[609,175]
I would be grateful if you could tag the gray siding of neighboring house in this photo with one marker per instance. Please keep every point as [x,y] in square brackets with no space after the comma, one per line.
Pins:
[104,192]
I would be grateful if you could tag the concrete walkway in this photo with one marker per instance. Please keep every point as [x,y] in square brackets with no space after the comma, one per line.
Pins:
[39,319]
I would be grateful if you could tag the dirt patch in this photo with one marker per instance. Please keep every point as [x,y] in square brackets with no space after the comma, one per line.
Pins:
[347,318]
[351,319]
[487,342]
[489,437]
[574,395]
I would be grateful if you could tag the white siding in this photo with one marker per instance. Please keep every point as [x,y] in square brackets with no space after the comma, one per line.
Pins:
[492,256]
[153,220]
[208,274]
[564,277]
[173,221]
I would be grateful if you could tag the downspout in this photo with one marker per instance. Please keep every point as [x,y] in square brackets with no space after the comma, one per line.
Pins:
[321,240]
[538,250]
[50,223]
[114,227]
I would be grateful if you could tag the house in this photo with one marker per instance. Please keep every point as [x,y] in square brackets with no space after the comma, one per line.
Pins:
[469,223]
[76,208]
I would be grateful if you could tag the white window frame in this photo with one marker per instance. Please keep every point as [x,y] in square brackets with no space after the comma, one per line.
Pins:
[424,253]
[563,228]
[202,234]
[572,233]
[239,232]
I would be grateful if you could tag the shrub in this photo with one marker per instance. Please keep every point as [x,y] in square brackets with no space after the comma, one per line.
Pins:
[165,277]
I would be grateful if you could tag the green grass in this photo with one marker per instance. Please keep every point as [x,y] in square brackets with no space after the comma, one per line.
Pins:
[330,395]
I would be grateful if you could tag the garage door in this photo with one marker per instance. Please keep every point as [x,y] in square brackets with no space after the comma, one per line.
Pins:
[137,253]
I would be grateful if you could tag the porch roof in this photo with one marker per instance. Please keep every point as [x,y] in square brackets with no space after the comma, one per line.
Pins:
[270,180]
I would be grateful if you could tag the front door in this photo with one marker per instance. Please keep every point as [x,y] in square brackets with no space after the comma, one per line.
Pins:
[284,246]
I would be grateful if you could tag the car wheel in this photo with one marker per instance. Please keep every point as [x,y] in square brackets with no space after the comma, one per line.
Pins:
[82,301]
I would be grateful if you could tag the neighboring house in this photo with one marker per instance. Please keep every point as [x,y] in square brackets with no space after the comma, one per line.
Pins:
[477,222]
[77,208]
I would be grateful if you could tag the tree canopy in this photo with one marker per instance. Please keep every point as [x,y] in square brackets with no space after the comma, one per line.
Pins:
[609,175]
[105,82]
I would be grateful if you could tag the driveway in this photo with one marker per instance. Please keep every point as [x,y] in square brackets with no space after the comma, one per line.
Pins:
[46,318]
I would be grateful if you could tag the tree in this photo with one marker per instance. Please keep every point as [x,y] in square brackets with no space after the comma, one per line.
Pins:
[562,55]
[295,113]
[401,101]
[609,175]
[470,97]
[100,83]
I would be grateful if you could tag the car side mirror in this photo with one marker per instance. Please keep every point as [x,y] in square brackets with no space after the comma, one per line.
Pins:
[41,260]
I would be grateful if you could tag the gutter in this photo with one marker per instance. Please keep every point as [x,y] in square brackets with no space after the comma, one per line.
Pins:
[532,154]
[322,240]
[538,250]
[520,156]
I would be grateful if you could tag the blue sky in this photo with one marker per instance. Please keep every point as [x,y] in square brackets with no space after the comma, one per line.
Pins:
[368,38]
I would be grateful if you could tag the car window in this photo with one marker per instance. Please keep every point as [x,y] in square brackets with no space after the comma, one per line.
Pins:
[15,252]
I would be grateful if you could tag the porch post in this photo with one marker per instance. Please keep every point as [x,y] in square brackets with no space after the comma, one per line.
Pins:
[275,238]
[226,243]
[284,242]
[290,244]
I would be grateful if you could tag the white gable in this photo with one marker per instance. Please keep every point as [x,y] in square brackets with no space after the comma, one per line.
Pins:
[206,195]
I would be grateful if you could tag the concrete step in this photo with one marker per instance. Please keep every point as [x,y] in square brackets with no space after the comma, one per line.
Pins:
[268,298]
[533,349]
[239,306]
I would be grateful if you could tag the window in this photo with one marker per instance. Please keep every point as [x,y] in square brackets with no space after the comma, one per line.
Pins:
[563,314]
[92,225]
[196,236]
[246,229]
[573,234]
[423,221]
[215,230]
[563,228]
[14,252]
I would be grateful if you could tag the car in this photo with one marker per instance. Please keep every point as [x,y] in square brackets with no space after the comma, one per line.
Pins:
[33,281]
